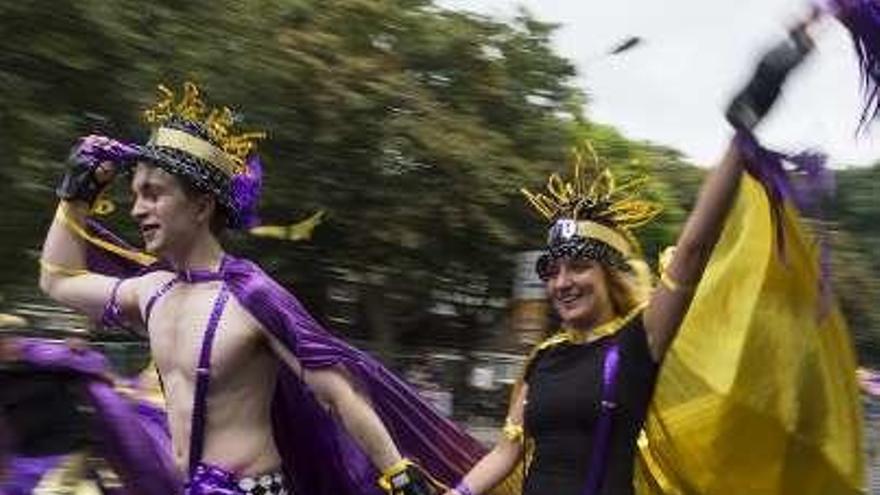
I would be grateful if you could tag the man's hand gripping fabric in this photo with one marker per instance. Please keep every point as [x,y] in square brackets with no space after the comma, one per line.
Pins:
[92,165]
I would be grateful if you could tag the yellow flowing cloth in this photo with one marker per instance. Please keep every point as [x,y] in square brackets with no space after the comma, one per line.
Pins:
[757,394]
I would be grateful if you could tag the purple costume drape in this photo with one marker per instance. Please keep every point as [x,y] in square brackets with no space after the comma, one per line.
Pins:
[319,456]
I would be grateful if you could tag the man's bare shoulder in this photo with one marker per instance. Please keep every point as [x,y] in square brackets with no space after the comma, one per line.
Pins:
[149,282]
[139,289]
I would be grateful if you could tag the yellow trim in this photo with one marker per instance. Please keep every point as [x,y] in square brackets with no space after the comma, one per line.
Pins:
[593,230]
[577,337]
[392,471]
[64,270]
[129,254]
[199,148]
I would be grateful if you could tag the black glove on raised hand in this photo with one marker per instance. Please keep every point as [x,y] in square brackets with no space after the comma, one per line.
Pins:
[87,174]
[406,479]
[753,102]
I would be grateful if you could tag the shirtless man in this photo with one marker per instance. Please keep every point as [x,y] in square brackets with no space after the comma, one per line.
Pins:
[183,196]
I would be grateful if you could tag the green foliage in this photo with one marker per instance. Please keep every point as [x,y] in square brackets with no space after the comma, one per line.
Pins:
[411,126]
[854,213]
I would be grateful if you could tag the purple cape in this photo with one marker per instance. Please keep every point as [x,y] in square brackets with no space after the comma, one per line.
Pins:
[319,456]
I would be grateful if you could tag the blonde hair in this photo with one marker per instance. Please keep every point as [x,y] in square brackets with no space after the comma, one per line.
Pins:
[628,289]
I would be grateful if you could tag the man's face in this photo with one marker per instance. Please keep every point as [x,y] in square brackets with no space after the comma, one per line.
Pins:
[167,217]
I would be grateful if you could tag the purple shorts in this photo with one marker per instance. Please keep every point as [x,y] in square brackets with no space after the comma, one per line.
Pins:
[213,480]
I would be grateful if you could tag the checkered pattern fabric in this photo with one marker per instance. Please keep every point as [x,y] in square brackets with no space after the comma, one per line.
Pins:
[267,484]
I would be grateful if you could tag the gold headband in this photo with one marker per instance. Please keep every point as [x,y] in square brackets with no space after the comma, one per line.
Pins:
[566,229]
[195,146]
[593,230]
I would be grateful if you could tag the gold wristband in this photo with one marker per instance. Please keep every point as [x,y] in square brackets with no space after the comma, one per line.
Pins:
[392,471]
[512,431]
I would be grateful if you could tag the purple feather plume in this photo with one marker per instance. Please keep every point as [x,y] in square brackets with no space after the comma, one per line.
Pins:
[807,183]
[804,183]
[245,190]
[862,19]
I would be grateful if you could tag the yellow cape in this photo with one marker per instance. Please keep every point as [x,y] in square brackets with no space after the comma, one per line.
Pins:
[757,394]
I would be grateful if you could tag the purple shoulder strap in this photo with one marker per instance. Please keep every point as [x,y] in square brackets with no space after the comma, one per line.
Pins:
[599,456]
[203,377]
[112,314]
[148,310]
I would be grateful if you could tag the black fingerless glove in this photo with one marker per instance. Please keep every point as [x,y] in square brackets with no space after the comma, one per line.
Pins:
[80,182]
[753,102]
[407,479]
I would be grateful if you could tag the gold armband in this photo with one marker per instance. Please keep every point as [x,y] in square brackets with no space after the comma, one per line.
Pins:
[673,285]
[63,270]
[512,431]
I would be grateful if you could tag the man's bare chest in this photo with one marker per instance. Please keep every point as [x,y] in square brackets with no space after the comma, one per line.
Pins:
[180,320]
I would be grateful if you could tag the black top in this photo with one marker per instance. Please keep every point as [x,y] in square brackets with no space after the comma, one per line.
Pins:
[565,384]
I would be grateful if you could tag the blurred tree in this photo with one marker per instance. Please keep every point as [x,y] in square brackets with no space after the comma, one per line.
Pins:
[855,215]
[412,126]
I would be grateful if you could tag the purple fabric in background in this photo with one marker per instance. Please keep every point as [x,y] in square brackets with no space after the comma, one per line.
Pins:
[23,473]
[56,356]
[133,436]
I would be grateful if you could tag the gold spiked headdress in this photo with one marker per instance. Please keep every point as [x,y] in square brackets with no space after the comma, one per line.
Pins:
[199,143]
[592,205]
[224,149]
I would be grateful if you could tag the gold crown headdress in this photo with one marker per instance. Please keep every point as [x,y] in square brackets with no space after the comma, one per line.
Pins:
[593,203]
[227,151]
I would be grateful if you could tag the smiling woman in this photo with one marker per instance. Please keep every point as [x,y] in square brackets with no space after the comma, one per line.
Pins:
[580,293]
[575,417]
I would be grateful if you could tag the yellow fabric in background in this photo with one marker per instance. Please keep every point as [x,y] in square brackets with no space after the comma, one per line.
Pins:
[757,394]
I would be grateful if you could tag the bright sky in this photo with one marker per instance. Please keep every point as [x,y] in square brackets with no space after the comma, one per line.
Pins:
[673,87]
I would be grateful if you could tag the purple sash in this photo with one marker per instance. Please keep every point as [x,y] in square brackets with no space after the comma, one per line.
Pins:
[599,457]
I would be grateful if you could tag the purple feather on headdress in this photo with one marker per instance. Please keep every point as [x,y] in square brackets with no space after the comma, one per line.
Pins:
[862,19]
[245,190]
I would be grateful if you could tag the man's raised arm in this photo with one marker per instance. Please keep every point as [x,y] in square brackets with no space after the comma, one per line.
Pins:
[63,273]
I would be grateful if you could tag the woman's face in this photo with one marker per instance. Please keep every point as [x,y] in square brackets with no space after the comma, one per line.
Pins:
[578,289]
